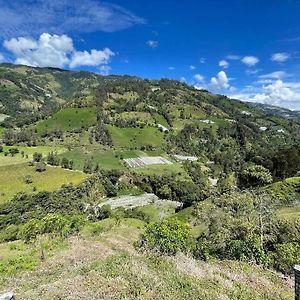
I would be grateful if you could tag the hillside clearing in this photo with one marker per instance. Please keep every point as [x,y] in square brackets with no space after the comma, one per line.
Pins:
[13,179]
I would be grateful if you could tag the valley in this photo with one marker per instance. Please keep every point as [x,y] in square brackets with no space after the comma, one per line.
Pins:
[80,157]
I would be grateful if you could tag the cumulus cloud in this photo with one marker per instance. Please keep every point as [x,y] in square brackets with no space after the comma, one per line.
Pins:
[22,18]
[278,92]
[224,63]
[152,44]
[183,79]
[250,61]
[192,67]
[93,58]
[199,77]
[1,58]
[48,50]
[280,57]
[171,68]
[221,81]
[54,51]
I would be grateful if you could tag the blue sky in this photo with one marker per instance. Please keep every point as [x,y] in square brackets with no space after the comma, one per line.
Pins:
[246,49]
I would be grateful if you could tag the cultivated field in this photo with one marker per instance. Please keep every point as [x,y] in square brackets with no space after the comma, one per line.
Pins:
[146,161]
[13,179]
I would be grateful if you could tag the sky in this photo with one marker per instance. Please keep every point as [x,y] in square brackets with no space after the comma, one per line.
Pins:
[246,49]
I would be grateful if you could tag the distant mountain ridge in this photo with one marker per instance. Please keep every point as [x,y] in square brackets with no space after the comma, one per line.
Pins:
[277,111]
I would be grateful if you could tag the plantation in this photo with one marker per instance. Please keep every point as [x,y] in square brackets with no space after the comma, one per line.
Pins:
[13,180]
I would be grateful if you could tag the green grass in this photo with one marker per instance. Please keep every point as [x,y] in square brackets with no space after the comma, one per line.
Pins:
[136,137]
[291,212]
[106,159]
[68,119]
[12,179]
[161,120]
[19,256]
[29,151]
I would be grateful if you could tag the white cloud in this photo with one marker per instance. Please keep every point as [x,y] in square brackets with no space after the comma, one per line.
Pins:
[152,44]
[104,70]
[18,18]
[183,79]
[274,75]
[224,63]
[1,58]
[192,67]
[233,57]
[54,51]
[48,51]
[221,81]
[252,71]
[250,61]
[280,57]
[199,77]
[171,68]
[276,93]
[93,58]
[202,60]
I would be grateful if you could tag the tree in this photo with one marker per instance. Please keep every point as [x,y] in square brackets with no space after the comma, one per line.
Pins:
[168,237]
[88,166]
[64,163]
[40,167]
[13,151]
[28,179]
[52,159]
[254,175]
[37,157]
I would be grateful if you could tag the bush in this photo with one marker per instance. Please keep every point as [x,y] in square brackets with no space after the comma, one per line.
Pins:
[167,237]
[40,167]
[286,256]
[57,224]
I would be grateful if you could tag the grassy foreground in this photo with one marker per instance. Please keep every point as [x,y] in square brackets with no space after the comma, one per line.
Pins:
[101,263]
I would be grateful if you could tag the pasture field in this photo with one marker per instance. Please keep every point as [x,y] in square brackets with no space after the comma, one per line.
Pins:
[13,179]
[136,137]
[29,151]
[68,119]
[105,159]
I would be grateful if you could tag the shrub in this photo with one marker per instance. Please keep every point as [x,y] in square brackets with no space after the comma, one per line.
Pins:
[167,237]
[40,167]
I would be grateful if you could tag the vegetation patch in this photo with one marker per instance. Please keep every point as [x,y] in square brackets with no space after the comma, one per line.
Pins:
[68,119]
[136,137]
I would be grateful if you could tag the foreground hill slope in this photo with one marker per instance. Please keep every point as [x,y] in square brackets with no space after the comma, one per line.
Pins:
[106,265]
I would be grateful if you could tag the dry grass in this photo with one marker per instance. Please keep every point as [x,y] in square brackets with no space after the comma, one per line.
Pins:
[107,266]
